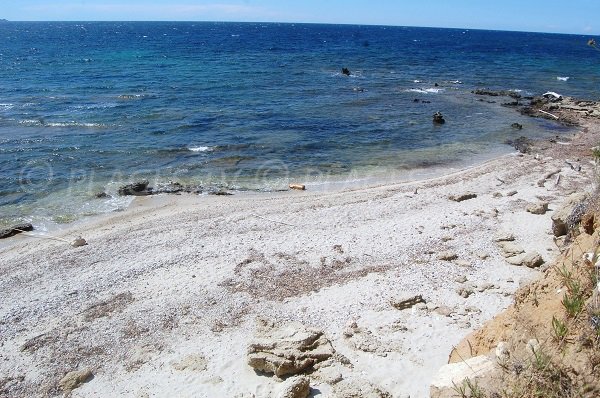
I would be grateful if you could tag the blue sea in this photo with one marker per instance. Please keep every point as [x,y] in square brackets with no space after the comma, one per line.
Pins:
[87,107]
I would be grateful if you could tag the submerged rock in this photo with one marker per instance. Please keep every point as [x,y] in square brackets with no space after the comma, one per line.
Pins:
[438,118]
[521,144]
[346,71]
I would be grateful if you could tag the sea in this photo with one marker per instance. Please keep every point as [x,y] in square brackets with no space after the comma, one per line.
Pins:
[251,107]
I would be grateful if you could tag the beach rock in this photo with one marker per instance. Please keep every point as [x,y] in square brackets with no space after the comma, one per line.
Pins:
[465,291]
[510,249]
[521,144]
[295,387]
[461,279]
[516,260]
[502,236]
[407,302]
[101,195]
[139,188]
[462,197]
[298,187]
[444,310]
[538,208]
[533,260]
[168,188]
[502,352]
[453,375]
[287,349]
[358,389]
[438,118]
[447,256]
[15,229]
[565,216]
[78,242]
[511,193]
[73,380]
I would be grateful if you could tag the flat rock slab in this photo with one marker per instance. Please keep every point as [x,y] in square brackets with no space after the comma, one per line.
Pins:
[510,249]
[73,380]
[463,196]
[14,230]
[287,349]
[407,302]
[450,376]
[502,236]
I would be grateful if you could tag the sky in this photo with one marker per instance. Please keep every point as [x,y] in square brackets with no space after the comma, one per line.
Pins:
[560,16]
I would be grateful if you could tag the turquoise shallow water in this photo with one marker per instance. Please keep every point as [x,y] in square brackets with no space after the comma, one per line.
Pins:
[85,107]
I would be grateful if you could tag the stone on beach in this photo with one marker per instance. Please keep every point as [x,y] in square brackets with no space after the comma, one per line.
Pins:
[562,217]
[447,256]
[139,188]
[295,387]
[287,349]
[538,208]
[73,380]
[510,249]
[503,236]
[15,229]
[407,302]
[462,197]
[453,375]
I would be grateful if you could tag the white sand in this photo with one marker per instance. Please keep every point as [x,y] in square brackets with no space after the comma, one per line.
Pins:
[177,256]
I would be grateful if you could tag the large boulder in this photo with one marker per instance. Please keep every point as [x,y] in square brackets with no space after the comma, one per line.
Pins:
[568,214]
[74,379]
[287,349]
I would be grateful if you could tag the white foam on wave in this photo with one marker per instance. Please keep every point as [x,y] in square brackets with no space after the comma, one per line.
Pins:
[425,91]
[417,81]
[562,78]
[200,149]
[6,107]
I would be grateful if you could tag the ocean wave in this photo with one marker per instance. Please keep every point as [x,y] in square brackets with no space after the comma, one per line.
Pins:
[200,149]
[34,122]
[5,107]
[425,91]
[562,78]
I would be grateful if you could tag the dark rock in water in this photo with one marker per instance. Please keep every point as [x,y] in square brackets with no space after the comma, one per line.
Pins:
[101,195]
[139,188]
[346,71]
[416,100]
[15,229]
[517,126]
[512,103]
[438,118]
[171,188]
[492,93]
[436,85]
[521,144]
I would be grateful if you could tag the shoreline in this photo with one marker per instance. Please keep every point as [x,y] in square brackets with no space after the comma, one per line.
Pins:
[164,298]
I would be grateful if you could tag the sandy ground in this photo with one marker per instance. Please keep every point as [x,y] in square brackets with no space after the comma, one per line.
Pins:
[181,279]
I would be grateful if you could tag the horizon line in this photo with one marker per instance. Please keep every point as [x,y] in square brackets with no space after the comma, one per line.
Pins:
[301,23]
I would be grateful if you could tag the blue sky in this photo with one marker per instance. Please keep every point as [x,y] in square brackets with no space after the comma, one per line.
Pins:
[574,16]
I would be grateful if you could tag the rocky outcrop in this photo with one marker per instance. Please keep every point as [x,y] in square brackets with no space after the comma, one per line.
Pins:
[142,188]
[438,118]
[500,93]
[567,216]
[139,188]
[14,230]
[287,349]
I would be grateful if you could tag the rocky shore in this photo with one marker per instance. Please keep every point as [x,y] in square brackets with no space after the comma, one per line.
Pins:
[360,293]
